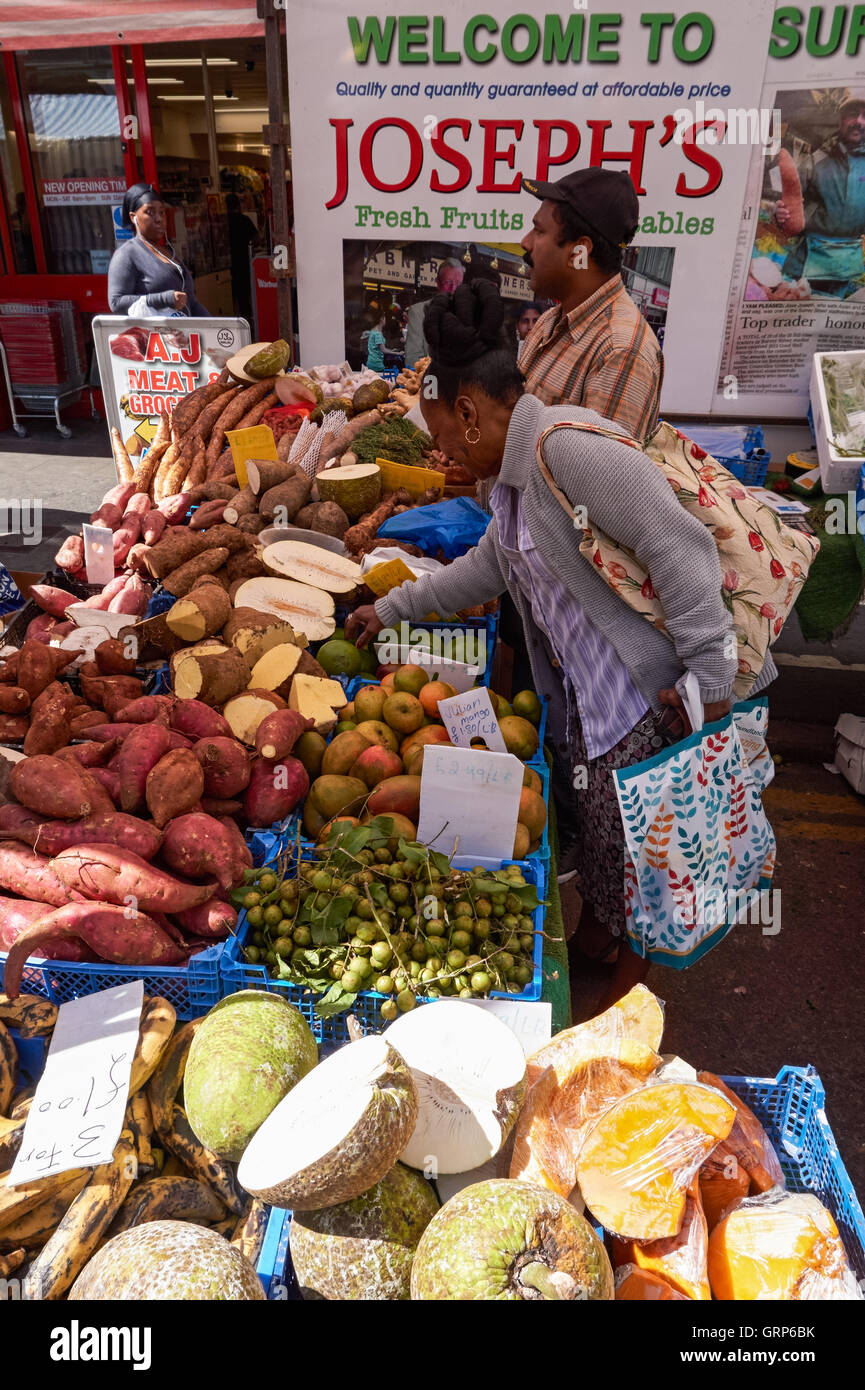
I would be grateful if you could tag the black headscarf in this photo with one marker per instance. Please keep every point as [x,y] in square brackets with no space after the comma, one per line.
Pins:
[137,197]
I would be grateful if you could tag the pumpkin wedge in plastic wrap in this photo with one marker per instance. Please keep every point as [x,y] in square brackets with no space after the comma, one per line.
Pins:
[640,1156]
[575,1077]
[782,1246]
[749,1141]
[680,1260]
[635,1285]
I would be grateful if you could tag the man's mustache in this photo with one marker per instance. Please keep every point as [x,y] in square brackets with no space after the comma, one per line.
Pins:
[527,260]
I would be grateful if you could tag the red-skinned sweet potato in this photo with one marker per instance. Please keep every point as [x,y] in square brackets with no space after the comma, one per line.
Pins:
[277,734]
[80,724]
[116,498]
[51,600]
[147,709]
[16,915]
[241,848]
[211,921]
[36,668]
[103,733]
[52,786]
[173,786]
[226,765]
[133,598]
[220,806]
[30,875]
[140,752]
[112,658]
[13,700]
[118,934]
[13,727]
[274,790]
[119,691]
[105,873]
[197,845]
[197,720]
[152,526]
[179,740]
[110,782]
[109,828]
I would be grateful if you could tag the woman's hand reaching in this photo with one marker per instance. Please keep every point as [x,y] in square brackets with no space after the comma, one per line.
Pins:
[364,622]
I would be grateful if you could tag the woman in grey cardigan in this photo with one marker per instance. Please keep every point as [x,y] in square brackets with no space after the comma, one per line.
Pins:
[609,675]
[146,266]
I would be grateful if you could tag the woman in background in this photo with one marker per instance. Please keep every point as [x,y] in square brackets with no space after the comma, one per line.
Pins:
[145,278]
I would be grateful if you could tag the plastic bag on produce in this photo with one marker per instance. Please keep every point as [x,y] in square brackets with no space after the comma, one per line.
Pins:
[682,1259]
[418,564]
[783,1246]
[453,526]
[642,1154]
[749,1142]
[574,1078]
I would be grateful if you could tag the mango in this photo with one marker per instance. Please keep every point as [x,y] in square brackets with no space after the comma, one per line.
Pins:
[342,751]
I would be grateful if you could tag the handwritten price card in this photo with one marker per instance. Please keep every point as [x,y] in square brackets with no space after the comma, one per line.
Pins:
[77,1112]
[471,716]
[388,575]
[469,799]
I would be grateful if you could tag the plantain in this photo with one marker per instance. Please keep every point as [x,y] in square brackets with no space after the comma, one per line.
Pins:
[248,1234]
[8,1069]
[9,1263]
[30,1014]
[23,1100]
[166,1081]
[140,1123]
[171,1167]
[201,1163]
[11,1134]
[33,1228]
[224,1227]
[154,1034]
[17,1201]
[65,1254]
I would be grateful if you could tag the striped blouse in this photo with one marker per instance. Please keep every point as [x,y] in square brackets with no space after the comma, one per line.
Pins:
[602,356]
[599,688]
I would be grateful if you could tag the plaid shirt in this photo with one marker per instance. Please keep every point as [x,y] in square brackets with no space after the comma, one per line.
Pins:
[602,356]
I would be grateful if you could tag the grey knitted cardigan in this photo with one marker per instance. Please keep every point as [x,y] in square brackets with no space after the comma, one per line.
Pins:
[626,495]
[133,271]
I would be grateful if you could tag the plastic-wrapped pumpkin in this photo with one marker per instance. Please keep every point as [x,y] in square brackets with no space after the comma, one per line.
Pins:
[749,1142]
[680,1259]
[782,1246]
[723,1183]
[635,1285]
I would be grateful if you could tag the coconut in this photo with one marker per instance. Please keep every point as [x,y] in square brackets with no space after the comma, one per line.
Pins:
[356,487]
[510,1240]
[336,1133]
[363,1249]
[167,1260]
[246,1055]
[307,609]
[470,1074]
[310,564]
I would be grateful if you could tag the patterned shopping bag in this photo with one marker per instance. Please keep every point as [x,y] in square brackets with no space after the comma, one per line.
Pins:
[699,850]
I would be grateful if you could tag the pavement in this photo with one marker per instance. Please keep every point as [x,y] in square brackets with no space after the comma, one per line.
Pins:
[72,474]
[759,1002]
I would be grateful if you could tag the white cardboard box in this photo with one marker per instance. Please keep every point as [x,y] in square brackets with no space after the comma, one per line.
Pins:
[850,750]
[837,473]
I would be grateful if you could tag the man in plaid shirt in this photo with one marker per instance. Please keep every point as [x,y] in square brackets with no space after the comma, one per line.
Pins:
[594,349]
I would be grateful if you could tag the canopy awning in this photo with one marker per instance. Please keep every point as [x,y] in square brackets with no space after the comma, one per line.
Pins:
[49,24]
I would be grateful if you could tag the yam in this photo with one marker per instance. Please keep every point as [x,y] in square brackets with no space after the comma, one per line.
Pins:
[245,564]
[263,474]
[213,678]
[282,503]
[210,414]
[228,538]
[326,518]
[309,610]
[276,668]
[252,525]
[181,580]
[234,413]
[201,614]
[244,504]
[113,659]
[174,786]
[175,548]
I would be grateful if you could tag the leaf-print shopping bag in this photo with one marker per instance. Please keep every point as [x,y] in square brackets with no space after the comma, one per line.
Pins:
[699,850]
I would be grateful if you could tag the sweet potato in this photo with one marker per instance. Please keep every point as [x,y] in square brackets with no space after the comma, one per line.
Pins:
[133,598]
[115,499]
[211,921]
[125,471]
[276,735]
[103,733]
[70,556]
[118,692]
[36,668]
[197,845]
[274,790]
[13,727]
[220,806]
[49,730]
[208,514]
[110,828]
[181,580]
[110,782]
[152,526]
[40,628]
[138,505]
[175,507]
[29,875]
[177,740]
[51,600]
[146,709]
[125,537]
[226,766]
[106,873]
[241,848]
[196,720]
[50,786]
[113,659]
[140,752]
[16,916]
[173,786]
[116,933]
[90,754]
[101,600]
[79,723]
[13,700]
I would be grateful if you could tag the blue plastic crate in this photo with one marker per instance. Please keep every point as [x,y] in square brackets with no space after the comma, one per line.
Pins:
[791,1108]
[192,988]
[158,681]
[160,602]
[267,845]
[31,1058]
[274,1267]
[237,975]
[752,471]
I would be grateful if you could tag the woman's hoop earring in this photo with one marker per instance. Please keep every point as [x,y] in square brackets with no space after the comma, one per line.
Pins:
[474,429]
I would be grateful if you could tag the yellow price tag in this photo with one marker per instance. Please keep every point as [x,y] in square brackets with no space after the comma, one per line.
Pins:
[416,481]
[386,576]
[255,443]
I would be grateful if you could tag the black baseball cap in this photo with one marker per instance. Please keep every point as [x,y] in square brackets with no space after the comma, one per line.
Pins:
[605,199]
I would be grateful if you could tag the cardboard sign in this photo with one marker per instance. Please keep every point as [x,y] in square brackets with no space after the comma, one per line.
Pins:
[416,481]
[469,801]
[386,576]
[255,443]
[98,554]
[471,716]
[77,1112]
